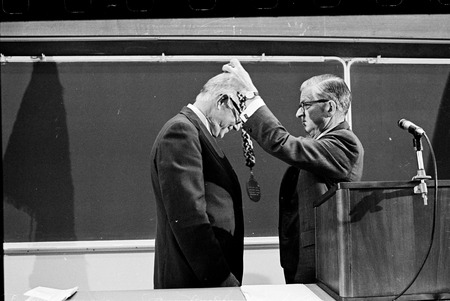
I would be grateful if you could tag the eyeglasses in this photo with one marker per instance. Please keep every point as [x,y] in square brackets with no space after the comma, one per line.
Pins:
[236,107]
[305,105]
[236,117]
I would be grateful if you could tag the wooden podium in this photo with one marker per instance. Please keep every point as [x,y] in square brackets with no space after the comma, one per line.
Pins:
[372,237]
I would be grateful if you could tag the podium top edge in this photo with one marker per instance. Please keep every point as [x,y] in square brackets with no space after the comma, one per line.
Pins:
[387,184]
[376,185]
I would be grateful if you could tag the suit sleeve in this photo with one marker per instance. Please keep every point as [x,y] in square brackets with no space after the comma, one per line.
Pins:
[180,172]
[332,156]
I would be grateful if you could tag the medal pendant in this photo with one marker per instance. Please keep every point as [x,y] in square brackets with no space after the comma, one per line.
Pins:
[253,189]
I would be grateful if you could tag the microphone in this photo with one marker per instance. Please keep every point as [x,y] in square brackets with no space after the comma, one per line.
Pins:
[411,127]
[421,176]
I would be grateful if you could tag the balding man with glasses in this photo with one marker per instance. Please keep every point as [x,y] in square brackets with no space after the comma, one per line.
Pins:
[330,154]
[200,223]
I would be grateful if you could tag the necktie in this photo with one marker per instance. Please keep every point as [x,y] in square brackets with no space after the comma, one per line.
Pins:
[253,189]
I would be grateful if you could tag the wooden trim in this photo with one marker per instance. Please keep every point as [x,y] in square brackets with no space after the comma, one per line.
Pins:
[388,184]
[341,197]
[375,184]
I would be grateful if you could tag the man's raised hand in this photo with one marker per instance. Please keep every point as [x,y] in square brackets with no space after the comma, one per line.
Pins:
[235,67]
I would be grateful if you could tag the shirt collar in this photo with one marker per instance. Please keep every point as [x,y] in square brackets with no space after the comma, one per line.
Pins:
[201,116]
[343,124]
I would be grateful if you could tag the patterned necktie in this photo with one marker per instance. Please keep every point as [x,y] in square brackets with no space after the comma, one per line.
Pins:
[253,189]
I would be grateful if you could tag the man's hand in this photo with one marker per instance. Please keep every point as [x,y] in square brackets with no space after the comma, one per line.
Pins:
[235,67]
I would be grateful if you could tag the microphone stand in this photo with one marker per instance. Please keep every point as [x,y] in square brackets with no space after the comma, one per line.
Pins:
[421,174]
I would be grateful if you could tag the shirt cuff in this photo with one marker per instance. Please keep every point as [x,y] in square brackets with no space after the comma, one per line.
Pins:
[255,105]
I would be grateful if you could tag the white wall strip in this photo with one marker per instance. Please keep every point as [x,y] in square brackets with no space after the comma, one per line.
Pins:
[121,246]
[356,28]
[58,247]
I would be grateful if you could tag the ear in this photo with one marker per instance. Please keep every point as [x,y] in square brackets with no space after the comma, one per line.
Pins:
[332,108]
[221,101]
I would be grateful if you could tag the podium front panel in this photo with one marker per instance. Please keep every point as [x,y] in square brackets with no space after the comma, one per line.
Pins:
[371,239]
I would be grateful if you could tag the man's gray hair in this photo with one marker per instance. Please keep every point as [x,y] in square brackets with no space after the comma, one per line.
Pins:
[223,83]
[332,87]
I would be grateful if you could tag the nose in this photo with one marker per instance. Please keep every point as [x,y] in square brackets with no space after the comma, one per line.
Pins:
[300,113]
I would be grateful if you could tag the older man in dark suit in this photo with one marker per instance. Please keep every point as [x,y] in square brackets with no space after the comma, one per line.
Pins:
[331,153]
[199,233]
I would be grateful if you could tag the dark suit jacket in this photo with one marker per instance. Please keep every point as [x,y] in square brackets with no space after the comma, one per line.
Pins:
[316,165]
[199,233]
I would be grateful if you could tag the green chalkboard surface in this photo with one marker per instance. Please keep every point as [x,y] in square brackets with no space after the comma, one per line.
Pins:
[76,138]
[384,94]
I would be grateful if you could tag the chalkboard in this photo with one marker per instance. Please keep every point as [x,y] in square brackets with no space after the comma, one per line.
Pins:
[384,94]
[77,139]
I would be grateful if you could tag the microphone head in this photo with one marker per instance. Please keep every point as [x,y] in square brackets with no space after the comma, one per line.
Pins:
[410,127]
[403,123]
